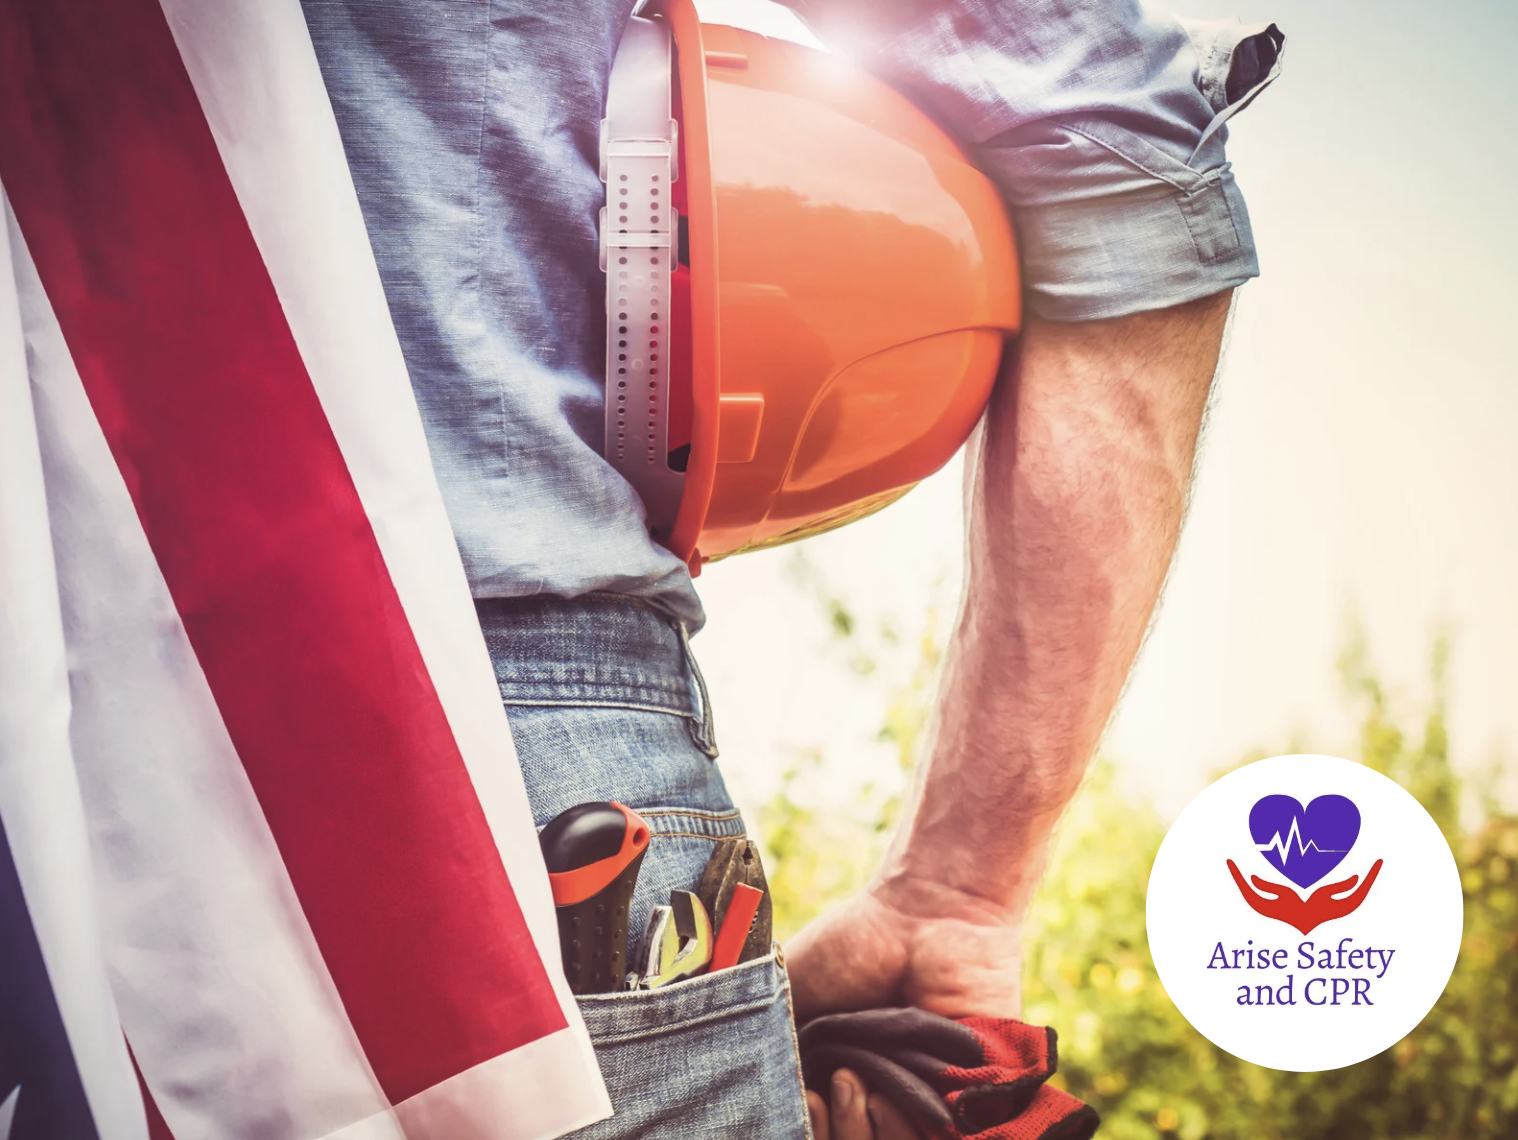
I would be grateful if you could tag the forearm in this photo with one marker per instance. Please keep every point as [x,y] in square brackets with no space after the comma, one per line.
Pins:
[1103,125]
[1077,486]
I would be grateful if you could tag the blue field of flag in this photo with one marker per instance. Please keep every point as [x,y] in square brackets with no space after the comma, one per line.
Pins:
[41,1095]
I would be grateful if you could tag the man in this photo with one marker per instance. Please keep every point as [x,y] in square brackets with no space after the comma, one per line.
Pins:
[471,133]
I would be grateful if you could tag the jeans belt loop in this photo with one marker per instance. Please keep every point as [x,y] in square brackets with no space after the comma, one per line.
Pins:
[703,732]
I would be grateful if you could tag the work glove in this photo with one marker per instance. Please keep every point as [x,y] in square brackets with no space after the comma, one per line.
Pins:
[977,1076]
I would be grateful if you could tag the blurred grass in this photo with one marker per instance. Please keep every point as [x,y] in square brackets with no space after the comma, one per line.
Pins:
[1123,1045]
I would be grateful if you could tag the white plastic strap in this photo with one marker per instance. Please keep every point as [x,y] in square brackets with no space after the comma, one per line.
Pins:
[638,250]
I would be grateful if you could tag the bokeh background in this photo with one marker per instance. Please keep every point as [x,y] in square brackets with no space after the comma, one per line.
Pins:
[1347,583]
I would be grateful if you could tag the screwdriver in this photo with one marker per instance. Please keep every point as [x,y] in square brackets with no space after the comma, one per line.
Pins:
[593,852]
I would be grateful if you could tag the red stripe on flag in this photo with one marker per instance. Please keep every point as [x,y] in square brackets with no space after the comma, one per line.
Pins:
[158,1128]
[174,323]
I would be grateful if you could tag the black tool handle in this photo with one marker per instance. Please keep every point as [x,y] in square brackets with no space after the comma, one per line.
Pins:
[593,853]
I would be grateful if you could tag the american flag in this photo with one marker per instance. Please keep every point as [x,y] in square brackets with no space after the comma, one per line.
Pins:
[267,867]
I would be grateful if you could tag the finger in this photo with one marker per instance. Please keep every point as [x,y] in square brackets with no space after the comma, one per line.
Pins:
[818,1108]
[816,985]
[1335,888]
[848,958]
[1371,878]
[824,974]
[849,1113]
[1270,891]
[888,1121]
[1352,901]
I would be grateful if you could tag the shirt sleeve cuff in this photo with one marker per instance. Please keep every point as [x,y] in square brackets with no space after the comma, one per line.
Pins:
[1099,243]
[1147,248]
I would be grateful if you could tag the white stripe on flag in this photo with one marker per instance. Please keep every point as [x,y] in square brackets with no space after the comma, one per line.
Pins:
[39,792]
[259,84]
[8,1112]
[517,1096]
[223,993]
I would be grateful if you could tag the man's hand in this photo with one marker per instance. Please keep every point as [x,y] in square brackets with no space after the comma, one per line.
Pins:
[854,1113]
[910,943]
[1325,904]
[1077,485]
[914,946]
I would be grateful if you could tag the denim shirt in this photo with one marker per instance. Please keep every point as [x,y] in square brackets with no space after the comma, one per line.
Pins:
[471,129]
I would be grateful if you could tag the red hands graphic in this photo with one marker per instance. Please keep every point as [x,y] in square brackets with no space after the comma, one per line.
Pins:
[1283,904]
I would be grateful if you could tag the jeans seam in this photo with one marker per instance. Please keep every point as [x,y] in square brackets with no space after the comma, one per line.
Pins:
[790,1023]
[580,703]
[703,732]
[714,839]
[695,824]
[680,1026]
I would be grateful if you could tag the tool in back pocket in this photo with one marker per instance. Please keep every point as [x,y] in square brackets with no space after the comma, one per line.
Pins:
[593,852]
[678,944]
[735,863]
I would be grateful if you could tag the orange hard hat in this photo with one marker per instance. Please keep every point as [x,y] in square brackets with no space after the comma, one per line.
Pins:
[809,286]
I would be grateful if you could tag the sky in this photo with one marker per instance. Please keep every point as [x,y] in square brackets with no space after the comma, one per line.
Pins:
[1361,456]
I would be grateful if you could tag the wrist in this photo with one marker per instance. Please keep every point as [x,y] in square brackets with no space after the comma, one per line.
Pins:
[933,889]
[977,856]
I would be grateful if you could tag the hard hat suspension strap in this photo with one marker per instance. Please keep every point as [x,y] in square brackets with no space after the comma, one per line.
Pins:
[639,165]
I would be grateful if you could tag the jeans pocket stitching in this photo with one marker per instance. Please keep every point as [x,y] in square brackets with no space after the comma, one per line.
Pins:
[739,977]
[700,813]
[714,839]
[721,1014]
[694,823]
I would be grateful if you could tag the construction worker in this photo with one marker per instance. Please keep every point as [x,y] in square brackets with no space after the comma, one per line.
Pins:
[471,132]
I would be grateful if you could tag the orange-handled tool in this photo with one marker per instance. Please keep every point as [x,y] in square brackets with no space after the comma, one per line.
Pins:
[593,852]
[741,910]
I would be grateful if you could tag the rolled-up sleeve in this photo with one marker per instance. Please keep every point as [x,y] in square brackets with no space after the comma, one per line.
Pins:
[1103,125]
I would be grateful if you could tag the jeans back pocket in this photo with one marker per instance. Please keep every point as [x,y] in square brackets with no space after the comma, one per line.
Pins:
[712,1056]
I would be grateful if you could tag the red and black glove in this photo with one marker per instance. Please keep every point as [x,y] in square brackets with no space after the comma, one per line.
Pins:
[978,1076]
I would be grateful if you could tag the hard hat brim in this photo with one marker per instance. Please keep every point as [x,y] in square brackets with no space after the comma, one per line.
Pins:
[701,219]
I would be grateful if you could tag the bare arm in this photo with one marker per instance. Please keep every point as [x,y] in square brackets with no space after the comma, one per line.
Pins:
[1076,491]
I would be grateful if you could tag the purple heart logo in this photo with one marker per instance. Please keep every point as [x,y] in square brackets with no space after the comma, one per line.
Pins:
[1304,844]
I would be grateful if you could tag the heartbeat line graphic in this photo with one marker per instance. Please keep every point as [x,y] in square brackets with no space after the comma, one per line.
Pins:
[1282,847]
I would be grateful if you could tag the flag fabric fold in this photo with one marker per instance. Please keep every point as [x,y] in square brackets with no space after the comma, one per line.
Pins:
[300,826]
[63,1063]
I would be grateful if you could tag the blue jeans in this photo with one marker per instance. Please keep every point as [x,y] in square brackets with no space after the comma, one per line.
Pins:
[606,703]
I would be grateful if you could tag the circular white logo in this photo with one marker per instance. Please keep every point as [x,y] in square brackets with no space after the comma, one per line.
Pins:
[1304,913]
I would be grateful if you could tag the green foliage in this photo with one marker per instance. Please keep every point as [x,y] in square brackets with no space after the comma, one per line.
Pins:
[819,853]
[813,857]
[1123,1045]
